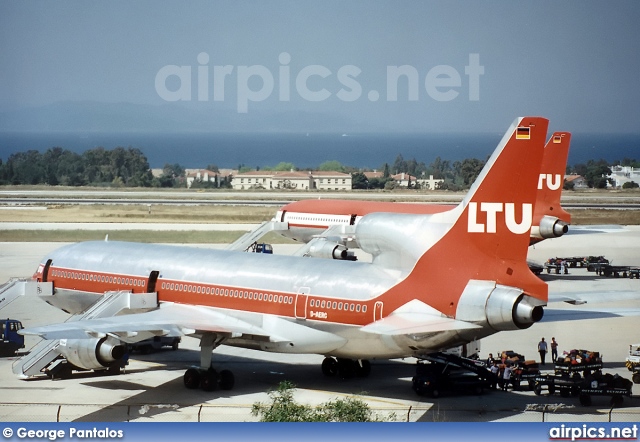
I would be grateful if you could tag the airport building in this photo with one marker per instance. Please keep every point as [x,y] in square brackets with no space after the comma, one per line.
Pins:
[624,174]
[292,180]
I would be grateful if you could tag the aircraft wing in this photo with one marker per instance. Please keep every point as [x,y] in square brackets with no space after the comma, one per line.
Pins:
[168,320]
[413,318]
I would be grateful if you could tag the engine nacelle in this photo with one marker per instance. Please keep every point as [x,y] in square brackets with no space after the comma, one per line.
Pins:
[497,306]
[92,354]
[508,310]
[330,250]
[552,227]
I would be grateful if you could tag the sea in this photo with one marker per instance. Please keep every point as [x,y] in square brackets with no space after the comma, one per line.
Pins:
[308,150]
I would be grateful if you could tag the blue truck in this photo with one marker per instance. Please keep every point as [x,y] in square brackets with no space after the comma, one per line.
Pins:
[10,341]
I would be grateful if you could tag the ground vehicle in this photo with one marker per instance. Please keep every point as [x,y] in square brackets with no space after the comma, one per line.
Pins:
[580,374]
[10,340]
[155,343]
[523,371]
[609,270]
[594,262]
[448,372]
[633,362]
[257,247]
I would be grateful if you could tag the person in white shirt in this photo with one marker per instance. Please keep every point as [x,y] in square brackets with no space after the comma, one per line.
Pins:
[506,377]
[542,349]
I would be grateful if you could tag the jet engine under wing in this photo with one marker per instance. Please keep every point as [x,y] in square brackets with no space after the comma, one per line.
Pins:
[416,317]
[168,320]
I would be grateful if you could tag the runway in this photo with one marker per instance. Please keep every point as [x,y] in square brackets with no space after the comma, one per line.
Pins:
[152,389]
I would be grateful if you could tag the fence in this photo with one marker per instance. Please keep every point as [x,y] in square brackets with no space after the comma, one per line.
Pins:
[213,413]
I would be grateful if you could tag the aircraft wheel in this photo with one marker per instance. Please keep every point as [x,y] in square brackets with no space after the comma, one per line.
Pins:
[329,367]
[191,378]
[552,389]
[435,393]
[363,368]
[227,380]
[537,389]
[565,393]
[209,380]
[636,378]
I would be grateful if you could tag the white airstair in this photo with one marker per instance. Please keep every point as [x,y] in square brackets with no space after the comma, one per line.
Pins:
[246,240]
[16,287]
[45,353]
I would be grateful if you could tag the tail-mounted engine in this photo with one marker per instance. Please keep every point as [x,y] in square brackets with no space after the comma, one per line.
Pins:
[552,227]
[500,307]
[92,354]
[330,250]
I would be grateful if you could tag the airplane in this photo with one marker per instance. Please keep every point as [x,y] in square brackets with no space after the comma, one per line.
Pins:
[436,281]
[306,220]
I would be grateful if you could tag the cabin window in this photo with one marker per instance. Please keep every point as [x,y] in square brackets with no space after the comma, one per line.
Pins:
[339,306]
[280,299]
[334,305]
[352,307]
[364,309]
[358,308]
[322,304]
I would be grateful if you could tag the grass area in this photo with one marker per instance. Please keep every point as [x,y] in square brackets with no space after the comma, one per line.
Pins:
[604,216]
[132,213]
[146,236]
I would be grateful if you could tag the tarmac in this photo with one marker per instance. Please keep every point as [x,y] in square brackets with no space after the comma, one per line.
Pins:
[151,389]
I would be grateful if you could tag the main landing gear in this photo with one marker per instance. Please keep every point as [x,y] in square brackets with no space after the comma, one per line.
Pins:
[205,377]
[346,368]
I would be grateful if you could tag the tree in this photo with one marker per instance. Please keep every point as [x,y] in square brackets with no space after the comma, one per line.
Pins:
[630,185]
[359,181]
[284,167]
[331,166]
[385,171]
[596,174]
[399,165]
[283,408]
[468,170]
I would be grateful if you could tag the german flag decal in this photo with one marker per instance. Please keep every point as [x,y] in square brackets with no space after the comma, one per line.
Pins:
[523,133]
[557,139]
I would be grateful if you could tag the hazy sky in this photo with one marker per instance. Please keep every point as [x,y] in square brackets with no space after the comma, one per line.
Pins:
[459,65]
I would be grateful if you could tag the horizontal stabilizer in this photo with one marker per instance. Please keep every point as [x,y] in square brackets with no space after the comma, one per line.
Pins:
[413,318]
[557,315]
[607,296]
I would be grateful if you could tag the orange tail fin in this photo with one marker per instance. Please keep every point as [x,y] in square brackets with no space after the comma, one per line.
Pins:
[490,237]
[551,179]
